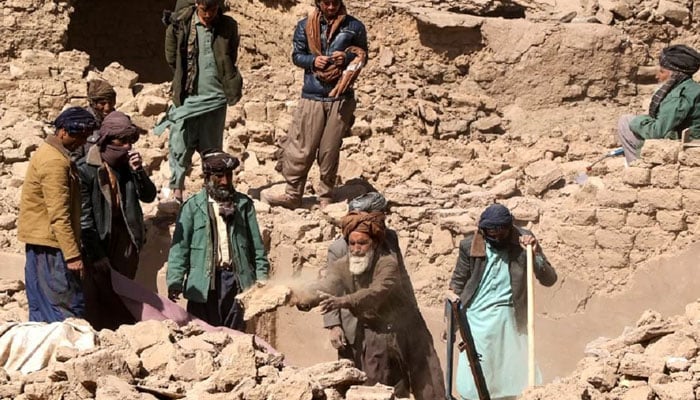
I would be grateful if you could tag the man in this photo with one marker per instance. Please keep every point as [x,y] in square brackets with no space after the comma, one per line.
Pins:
[217,251]
[201,45]
[674,106]
[331,47]
[392,344]
[491,282]
[49,221]
[341,324]
[101,101]
[113,183]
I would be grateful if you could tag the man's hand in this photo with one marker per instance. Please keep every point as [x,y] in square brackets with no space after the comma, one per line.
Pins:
[330,303]
[337,337]
[76,265]
[338,58]
[174,294]
[320,62]
[529,239]
[135,160]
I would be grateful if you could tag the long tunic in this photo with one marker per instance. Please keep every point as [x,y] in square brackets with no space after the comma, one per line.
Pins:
[491,317]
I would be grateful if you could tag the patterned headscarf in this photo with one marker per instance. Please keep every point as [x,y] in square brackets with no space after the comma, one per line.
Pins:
[217,162]
[680,58]
[75,120]
[371,201]
[370,223]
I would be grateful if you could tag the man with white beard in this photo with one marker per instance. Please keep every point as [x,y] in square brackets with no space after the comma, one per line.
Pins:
[392,344]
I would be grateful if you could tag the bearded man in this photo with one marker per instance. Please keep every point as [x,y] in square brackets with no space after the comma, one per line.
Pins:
[674,106]
[392,344]
[113,184]
[490,280]
[217,250]
[331,47]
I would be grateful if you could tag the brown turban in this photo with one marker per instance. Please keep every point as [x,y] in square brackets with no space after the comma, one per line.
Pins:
[370,223]
[99,89]
[118,125]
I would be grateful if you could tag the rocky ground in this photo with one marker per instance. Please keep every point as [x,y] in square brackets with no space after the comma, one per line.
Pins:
[461,104]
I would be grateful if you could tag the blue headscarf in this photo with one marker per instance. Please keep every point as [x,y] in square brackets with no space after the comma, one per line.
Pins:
[495,216]
[75,120]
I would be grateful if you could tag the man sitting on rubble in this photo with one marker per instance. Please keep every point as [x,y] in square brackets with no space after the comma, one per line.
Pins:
[392,344]
[674,106]
[217,251]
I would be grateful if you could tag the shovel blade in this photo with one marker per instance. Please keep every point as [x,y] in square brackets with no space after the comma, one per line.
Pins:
[581,178]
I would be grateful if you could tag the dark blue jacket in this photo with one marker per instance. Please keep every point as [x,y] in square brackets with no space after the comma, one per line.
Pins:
[351,33]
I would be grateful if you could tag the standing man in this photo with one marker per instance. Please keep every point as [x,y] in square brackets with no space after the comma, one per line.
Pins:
[674,107]
[201,46]
[101,101]
[113,183]
[49,221]
[331,47]
[392,343]
[491,282]
[217,251]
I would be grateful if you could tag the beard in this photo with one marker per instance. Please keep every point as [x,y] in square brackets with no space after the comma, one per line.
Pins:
[220,194]
[360,264]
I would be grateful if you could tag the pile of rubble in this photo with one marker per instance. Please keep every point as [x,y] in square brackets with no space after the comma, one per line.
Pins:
[656,359]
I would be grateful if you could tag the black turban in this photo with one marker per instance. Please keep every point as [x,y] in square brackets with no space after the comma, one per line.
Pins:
[218,162]
[369,202]
[495,216]
[75,120]
[680,58]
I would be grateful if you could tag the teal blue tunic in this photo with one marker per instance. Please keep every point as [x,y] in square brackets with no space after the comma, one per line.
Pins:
[503,350]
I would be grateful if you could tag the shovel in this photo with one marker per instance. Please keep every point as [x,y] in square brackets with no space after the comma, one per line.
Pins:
[582,177]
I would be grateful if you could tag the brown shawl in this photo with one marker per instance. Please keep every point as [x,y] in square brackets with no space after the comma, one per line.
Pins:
[313,37]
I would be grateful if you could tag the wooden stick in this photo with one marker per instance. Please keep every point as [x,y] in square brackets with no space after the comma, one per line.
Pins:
[530,318]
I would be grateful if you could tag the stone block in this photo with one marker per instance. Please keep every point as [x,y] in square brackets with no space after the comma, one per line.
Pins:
[673,12]
[548,181]
[691,201]
[255,111]
[660,151]
[664,176]
[638,393]
[641,365]
[606,258]
[117,75]
[672,221]
[275,109]
[577,236]
[689,178]
[614,240]
[676,344]
[674,390]
[442,241]
[376,392]
[582,216]
[690,157]
[504,189]
[636,176]
[611,217]
[660,199]
[146,334]
[619,198]
[150,105]
[653,238]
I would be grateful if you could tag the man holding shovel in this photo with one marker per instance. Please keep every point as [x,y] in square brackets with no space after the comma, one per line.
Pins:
[490,281]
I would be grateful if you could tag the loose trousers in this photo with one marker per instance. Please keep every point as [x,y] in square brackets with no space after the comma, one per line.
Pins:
[317,133]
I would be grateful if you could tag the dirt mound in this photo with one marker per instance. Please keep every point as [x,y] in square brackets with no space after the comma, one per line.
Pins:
[655,359]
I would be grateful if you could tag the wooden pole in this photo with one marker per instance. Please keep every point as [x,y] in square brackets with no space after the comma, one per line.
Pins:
[530,318]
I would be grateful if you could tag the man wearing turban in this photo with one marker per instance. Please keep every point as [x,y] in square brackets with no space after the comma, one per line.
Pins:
[49,221]
[101,101]
[490,281]
[674,106]
[113,184]
[391,342]
[217,250]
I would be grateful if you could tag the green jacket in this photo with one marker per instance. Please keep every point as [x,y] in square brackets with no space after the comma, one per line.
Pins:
[49,211]
[191,258]
[680,109]
[224,46]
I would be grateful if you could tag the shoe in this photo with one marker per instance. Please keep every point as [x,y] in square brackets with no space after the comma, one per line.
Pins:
[282,200]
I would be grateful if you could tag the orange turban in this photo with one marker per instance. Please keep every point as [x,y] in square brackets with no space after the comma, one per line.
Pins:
[370,223]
